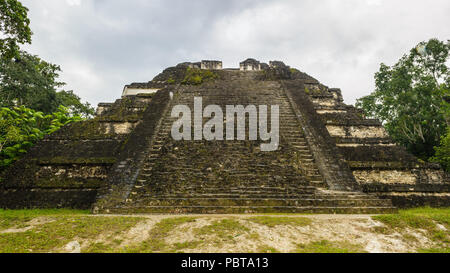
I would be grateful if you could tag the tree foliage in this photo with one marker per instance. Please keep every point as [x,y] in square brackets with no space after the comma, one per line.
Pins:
[74,104]
[442,155]
[14,27]
[409,97]
[30,81]
[21,127]
[30,105]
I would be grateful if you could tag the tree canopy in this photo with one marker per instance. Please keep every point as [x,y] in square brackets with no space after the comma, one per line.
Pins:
[30,81]
[21,127]
[14,27]
[410,97]
[30,104]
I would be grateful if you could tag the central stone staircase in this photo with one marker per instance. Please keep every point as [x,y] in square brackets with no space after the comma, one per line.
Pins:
[236,176]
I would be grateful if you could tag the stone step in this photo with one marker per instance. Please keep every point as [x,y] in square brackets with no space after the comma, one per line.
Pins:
[219,188]
[314,195]
[256,202]
[159,190]
[250,209]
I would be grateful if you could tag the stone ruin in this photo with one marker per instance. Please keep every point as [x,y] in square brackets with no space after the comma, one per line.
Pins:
[331,159]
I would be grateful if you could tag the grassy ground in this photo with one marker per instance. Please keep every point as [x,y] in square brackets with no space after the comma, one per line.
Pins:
[435,223]
[415,230]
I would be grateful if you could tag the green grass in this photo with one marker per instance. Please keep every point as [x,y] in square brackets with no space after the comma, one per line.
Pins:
[420,218]
[425,219]
[19,218]
[186,245]
[61,226]
[54,235]
[156,241]
[275,221]
[325,246]
[222,231]
[266,249]
[434,250]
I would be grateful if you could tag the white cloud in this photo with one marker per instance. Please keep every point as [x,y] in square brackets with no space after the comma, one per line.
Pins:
[102,45]
[373,2]
[73,2]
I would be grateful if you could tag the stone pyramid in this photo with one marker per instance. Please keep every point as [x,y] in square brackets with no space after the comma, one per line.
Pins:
[330,159]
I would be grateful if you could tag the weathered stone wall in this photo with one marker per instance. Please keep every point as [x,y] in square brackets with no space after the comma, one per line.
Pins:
[212,65]
[67,168]
[378,165]
[123,173]
[250,65]
[333,167]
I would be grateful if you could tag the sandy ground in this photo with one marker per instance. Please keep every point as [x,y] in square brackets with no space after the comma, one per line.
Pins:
[352,229]
[341,230]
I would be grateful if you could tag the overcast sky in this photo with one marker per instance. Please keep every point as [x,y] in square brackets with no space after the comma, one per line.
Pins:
[101,45]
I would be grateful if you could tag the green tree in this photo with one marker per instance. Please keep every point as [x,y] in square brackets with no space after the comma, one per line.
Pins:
[74,104]
[409,97]
[30,81]
[21,127]
[442,155]
[14,27]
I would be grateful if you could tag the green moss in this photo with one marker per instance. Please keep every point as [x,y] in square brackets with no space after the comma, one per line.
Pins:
[145,95]
[378,164]
[122,111]
[70,183]
[275,221]
[195,76]
[59,160]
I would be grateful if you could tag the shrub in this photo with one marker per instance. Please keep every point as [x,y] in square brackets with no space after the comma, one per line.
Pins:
[21,127]
[197,76]
[442,155]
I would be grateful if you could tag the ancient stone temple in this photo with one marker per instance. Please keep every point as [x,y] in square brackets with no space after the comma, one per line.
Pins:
[330,158]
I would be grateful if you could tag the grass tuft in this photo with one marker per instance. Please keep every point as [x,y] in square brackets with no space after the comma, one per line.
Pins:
[156,241]
[426,219]
[275,221]
[325,246]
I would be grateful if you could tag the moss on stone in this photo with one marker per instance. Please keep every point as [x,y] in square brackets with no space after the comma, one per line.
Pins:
[380,165]
[195,76]
[71,183]
[80,160]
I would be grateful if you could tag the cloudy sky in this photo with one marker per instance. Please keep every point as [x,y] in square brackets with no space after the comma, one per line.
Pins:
[103,45]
